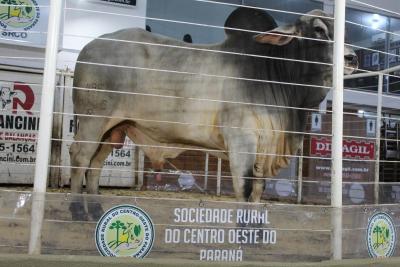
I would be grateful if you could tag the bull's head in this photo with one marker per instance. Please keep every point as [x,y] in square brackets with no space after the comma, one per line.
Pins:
[317,26]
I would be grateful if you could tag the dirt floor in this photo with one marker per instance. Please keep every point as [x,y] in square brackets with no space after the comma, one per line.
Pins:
[89,261]
[132,192]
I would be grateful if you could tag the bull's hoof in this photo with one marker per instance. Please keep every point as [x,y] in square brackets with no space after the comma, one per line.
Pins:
[95,210]
[78,212]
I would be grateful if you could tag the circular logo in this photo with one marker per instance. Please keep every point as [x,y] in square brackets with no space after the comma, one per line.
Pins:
[125,231]
[381,235]
[21,14]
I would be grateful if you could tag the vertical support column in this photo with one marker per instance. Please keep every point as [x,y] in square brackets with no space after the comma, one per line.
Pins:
[140,167]
[378,138]
[337,129]
[134,161]
[219,177]
[45,127]
[300,175]
[206,171]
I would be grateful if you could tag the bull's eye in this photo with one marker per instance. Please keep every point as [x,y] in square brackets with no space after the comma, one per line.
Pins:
[320,30]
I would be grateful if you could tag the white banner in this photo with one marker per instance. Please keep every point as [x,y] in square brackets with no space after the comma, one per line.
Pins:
[24,22]
[19,124]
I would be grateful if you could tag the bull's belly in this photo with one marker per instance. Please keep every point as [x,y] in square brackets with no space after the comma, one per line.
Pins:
[181,133]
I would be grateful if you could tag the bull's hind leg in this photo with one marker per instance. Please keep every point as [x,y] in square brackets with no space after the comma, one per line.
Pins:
[81,152]
[242,151]
[92,179]
[258,189]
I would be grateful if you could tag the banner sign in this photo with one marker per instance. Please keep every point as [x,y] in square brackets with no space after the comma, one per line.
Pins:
[24,22]
[128,3]
[352,149]
[19,126]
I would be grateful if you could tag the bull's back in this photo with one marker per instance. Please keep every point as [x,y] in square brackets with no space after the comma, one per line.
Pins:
[156,81]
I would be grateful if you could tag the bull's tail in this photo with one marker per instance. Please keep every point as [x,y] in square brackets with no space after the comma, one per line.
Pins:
[248,185]
[75,124]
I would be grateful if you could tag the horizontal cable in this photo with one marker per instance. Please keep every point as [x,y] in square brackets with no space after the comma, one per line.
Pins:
[225,177]
[373,94]
[376,7]
[205,150]
[370,27]
[173,122]
[25,58]
[17,41]
[372,86]
[186,123]
[194,24]
[226,101]
[199,74]
[372,50]
[29,31]
[165,147]
[217,126]
[373,72]
[23,83]
[22,5]
[191,98]
[194,48]
[266,9]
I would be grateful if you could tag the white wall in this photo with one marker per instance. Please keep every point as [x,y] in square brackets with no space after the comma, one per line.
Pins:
[79,22]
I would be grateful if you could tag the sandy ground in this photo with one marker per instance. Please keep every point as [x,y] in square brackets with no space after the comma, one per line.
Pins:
[132,192]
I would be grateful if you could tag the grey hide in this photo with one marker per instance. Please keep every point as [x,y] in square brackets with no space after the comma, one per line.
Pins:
[185,98]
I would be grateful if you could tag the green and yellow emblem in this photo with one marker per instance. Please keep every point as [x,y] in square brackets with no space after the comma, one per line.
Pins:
[19,14]
[125,231]
[381,235]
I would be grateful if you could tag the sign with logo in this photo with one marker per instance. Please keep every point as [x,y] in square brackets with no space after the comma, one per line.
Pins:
[316,122]
[19,124]
[381,235]
[357,169]
[351,148]
[371,127]
[24,21]
[125,231]
[129,3]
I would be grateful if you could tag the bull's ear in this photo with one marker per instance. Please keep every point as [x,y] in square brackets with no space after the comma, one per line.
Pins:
[279,36]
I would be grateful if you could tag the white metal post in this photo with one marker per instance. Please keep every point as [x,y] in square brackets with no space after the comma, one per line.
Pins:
[378,138]
[219,177]
[140,168]
[46,120]
[337,128]
[300,174]
[206,171]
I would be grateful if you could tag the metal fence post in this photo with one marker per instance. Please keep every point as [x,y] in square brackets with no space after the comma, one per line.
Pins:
[378,138]
[219,177]
[206,171]
[300,174]
[337,129]
[45,126]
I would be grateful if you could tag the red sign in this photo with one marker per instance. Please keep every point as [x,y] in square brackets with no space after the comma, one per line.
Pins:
[353,149]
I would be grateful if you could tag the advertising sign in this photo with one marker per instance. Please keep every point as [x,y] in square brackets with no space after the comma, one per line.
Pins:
[358,167]
[352,149]
[127,3]
[19,124]
[24,22]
